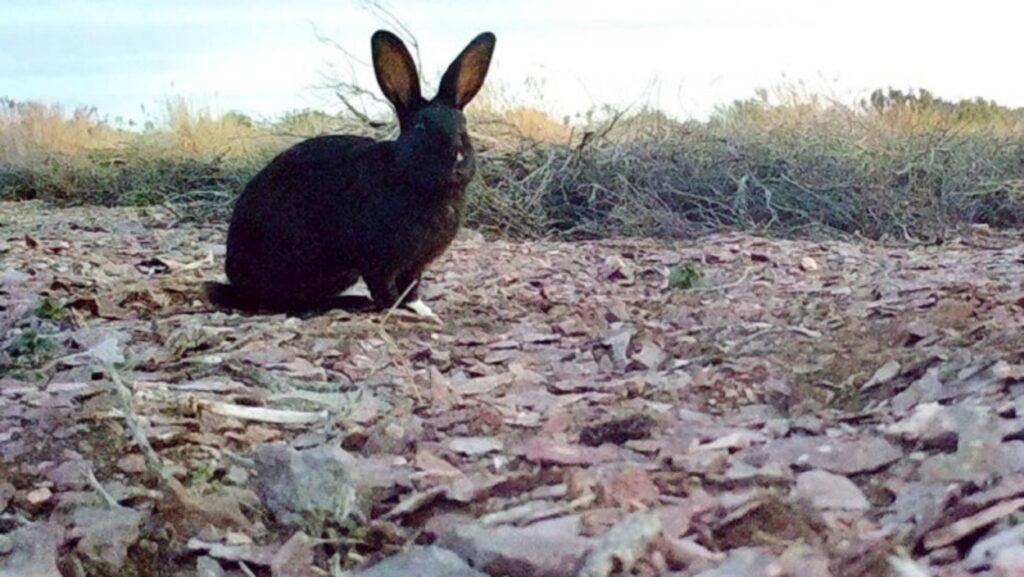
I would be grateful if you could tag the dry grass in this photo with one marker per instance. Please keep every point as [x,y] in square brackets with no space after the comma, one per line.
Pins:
[31,132]
[905,166]
[503,125]
[901,166]
[196,132]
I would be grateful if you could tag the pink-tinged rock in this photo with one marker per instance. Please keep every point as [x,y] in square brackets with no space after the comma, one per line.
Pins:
[677,519]
[542,449]
[37,499]
[701,462]
[133,464]
[741,474]
[962,528]
[628,489]
[808,264]
[295,558]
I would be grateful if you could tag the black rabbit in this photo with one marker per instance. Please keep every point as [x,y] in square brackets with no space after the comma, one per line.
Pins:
[333,208]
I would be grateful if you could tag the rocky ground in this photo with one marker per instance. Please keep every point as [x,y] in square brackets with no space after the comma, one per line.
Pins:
[728,407]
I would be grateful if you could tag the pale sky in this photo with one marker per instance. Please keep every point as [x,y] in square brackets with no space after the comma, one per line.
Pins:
[261,57]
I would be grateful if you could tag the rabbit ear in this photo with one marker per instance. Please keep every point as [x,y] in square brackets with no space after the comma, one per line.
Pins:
[396,72]
[465,75]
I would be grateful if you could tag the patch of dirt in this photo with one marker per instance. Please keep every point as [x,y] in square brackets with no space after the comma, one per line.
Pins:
[572,401]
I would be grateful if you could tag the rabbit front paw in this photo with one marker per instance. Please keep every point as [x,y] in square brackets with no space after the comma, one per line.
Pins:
[419,307]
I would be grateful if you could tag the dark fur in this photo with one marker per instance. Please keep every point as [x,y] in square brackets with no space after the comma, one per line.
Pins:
[333,208]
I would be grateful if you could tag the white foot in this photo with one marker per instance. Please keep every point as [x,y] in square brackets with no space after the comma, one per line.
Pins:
[419,307]
[359,289]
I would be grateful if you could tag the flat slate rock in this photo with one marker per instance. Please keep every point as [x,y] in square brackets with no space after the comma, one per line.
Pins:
[422,562]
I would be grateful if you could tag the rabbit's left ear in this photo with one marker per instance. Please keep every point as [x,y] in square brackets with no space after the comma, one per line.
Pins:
[466,74]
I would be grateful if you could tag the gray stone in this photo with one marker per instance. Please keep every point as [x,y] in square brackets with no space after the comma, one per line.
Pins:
[746,562]
[476,446]
[841,456]
[623,545]
[985,551]
[208,567]
[422,562]
[107,532]
[827,491]
[551,548]
[931,424]
[306,489]
[31,551]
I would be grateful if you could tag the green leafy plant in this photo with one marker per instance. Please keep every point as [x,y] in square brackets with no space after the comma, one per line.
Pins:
[50,309]
[203,477]
[686,276]
[30,349]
